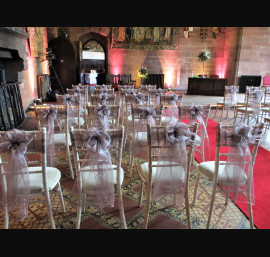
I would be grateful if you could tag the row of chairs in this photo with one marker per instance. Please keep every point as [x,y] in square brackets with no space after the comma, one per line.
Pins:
[254,108]
[73,139]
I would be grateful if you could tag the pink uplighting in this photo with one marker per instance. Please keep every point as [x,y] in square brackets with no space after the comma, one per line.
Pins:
[31,74]
[221,65]
[117,62]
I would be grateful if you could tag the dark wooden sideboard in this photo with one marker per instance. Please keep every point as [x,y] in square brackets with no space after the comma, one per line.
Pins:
[206,86]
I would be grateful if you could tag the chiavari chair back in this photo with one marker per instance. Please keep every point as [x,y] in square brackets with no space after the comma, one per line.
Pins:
[97,182]
[232,170]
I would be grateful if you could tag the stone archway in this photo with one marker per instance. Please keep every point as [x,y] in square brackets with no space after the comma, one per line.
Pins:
[103,41]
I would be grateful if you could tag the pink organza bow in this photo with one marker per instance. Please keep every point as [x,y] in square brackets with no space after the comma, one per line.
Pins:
[17,177]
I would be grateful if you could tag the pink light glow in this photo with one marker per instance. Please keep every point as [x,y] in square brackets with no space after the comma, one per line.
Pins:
[168,78]
[31,75]
[221,65]
[116,61]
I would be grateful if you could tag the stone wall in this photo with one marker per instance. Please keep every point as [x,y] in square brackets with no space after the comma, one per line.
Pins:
[254,52]
[32,65]
[237,51]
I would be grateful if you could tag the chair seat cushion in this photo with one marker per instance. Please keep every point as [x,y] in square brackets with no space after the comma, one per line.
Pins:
[197,140]
[89,178]
[248,109]
[208,169]
[74,121]
[144,171]
[60,139]
[36,180]
[265,109]
[140,137]
[165,119]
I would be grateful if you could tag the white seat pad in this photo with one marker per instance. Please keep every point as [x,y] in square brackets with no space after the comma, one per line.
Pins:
[89,178]
[248,109]
[265,109]
[208,169]
[36,180]
[197,140]
[60,139]
[140,137]
[143,171]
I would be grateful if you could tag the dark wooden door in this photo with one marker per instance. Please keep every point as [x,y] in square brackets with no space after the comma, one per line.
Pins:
[63,65]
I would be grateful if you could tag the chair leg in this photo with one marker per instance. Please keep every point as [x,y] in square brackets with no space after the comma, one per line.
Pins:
[227,196]
[121,206]
[235,117]
[79,211]
[61,197]
[221,113]
[6,221]
[141,193]
[212,201]
[250,207]
[131,157]
[196,189]
[187,209]
[148,201]
[215,112]
[84,202]
[69,162]
[49,208]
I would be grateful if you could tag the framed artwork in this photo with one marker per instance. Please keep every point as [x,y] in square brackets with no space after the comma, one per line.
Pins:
[144,38]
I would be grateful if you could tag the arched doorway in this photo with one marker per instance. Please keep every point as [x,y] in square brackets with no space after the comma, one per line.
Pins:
[92,61]
[93,46]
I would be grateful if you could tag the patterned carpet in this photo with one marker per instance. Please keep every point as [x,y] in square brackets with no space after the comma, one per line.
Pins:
[224,217]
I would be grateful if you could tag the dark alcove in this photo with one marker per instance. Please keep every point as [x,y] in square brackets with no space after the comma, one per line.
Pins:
[63,65]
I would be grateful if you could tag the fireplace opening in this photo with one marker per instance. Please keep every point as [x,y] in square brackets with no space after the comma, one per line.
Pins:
[10,64]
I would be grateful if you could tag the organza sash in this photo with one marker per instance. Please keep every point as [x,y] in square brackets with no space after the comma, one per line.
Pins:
[17,174]
[172,99]
[49,119]
[103,98]
[234,177]
[197,112]
[103,112]
[254,100]
[230,96]
[142,117]
[158,93]
[98,162]
[70,99]
[138,98]
[171,170]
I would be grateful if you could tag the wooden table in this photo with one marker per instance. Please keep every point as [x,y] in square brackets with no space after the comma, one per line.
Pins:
[206,86]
